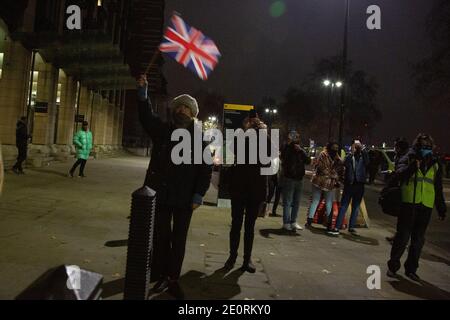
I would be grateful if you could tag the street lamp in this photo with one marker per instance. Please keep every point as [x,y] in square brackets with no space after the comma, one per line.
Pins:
[331,85]
[344,71]
[271,112]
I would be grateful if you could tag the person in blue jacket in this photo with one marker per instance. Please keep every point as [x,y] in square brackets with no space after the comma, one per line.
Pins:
[356,167]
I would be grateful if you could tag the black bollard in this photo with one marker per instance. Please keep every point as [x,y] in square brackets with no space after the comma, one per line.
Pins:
[140,244]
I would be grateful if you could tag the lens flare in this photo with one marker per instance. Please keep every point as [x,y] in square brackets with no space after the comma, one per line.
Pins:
[277,9]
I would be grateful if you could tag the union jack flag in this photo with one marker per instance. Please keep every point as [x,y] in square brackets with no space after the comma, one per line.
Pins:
[190,47]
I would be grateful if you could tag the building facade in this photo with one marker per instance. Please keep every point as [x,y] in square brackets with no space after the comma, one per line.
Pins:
[58,76]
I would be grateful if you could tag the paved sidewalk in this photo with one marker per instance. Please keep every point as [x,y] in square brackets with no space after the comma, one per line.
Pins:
[47,219]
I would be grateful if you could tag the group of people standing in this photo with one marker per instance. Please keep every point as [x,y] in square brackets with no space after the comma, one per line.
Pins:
[330,172]
[180,189]
[418,173]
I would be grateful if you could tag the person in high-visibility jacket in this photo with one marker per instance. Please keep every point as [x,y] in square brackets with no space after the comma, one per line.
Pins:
[420,174]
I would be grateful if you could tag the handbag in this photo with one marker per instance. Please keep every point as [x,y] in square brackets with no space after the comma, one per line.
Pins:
[390,200]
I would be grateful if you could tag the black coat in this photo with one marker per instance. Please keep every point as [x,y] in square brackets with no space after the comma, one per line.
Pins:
[293,162]
[21,134]
[175,185]
[246,181]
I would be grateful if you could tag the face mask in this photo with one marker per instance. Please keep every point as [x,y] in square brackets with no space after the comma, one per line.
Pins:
[425,152]
[181,120]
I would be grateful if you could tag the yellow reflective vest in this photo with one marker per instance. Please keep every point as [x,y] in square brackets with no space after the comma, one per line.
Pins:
[425,193]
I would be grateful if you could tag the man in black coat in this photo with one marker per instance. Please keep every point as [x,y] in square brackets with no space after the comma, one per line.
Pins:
[180,188]
[21,144]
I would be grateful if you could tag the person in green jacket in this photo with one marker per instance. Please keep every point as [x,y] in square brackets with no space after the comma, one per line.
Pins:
[83,144]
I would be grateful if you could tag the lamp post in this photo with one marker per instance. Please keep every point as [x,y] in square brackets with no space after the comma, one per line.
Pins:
[344,73]
[331,85]
[271,112]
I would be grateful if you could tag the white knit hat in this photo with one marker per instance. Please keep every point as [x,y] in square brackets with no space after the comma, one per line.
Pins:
[187,101]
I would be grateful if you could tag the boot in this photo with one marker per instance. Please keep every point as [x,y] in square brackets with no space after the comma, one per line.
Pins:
[248,266]
[230,262]
[309,222]
[234,246]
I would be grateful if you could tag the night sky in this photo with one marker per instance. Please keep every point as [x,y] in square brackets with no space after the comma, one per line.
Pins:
[263,55]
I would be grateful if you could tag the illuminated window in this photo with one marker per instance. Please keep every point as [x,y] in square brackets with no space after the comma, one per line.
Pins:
[34,88]
[58,94]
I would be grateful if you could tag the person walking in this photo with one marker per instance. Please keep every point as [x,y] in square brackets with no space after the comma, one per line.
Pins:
[22,138]
[420,176]
[83,144]
[356,166]
[293,160]
[248,190]
[180,188]
[328,174]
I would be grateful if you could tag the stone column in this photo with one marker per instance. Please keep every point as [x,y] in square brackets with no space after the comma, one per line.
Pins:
[13,89]
[44,123]
[15,74]
[67,109]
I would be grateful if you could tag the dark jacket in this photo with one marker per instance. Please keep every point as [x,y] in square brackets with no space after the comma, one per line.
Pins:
[21,134]
[407,167]
[360,174]
[293,162]
[246,181]
[175,185]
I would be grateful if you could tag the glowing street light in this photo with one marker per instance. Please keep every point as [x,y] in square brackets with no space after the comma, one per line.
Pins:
[328,83]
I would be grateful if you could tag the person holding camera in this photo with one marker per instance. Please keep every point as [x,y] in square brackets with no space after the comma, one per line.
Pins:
[328,174]
[293,161]
[420,176]
[356,166]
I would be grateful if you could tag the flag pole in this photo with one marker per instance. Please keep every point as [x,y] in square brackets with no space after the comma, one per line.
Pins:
[155,56]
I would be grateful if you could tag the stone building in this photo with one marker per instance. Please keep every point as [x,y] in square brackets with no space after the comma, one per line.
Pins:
[57,77]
